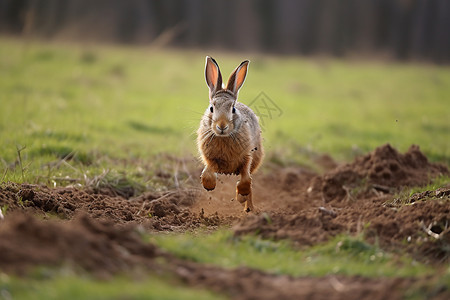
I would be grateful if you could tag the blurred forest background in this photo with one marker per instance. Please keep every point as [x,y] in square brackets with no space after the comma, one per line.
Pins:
[400,29]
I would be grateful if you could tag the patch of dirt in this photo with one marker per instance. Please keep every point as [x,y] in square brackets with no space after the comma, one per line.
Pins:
[291,202]
[354,195]
[99,229]
[104,249]
[99,247]
[153,210]
[422,229]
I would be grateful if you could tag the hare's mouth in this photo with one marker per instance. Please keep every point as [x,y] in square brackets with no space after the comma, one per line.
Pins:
[222,130]
[222,133]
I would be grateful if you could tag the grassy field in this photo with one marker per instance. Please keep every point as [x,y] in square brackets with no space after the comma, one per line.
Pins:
[69,113]
[118,107]
[343,255]
[69,286]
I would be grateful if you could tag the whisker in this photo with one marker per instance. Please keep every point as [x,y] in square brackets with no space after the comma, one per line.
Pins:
[238,141]
[212,138]
[194,111]
[207,135]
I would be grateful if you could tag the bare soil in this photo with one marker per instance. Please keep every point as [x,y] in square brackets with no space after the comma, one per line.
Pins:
[100,233]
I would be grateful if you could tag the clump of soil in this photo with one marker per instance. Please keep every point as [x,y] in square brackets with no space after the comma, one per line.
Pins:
[153,210]
[384,169]
[352,198]
[437,194]
[99,247]
[422,228]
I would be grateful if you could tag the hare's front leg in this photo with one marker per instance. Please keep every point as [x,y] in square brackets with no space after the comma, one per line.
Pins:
[208,178]
[244,186]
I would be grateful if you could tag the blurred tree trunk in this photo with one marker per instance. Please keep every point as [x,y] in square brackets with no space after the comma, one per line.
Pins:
[265,10]
[288,25]
[194,22]
[401,35]
[441,42]
[246,27]
[417,29]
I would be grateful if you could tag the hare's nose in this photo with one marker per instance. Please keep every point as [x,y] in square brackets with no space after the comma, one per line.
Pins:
[222,128]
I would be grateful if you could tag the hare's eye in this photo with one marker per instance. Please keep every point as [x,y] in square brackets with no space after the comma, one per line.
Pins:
[233,110]
[211,109]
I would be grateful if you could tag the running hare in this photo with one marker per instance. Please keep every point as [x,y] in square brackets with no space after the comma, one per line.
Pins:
[229,137]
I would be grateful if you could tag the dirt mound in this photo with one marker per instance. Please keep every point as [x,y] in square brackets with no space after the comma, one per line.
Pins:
[353,197]
[97,247]
[153,210]
[382,170]
[421,228]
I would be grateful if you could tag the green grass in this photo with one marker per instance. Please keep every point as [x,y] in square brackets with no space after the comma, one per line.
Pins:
[78,287]
[343,255]
[119,116]
[76,110]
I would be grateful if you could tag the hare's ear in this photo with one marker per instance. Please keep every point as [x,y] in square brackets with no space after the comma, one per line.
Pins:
[212,75]
[237,78]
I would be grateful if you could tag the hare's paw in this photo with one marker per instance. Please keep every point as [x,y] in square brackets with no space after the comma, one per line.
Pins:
[248,207]
[244,188]
[246,201]
[209,182]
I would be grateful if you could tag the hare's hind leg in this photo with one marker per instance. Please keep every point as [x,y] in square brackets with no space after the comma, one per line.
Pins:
[244,186]
[208,179]
[244,194]
[246,201]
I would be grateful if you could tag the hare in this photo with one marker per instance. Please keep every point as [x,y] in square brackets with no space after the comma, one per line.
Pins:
[229,136]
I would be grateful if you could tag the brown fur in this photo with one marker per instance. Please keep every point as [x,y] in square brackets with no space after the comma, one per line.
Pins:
[229,143]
